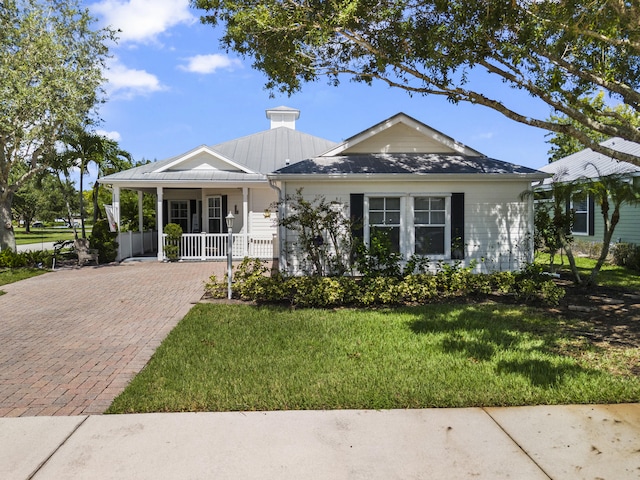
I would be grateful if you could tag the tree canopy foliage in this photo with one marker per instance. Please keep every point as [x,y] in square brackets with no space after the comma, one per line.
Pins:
[562,53]
[82,148]
[563,145]
[51,64]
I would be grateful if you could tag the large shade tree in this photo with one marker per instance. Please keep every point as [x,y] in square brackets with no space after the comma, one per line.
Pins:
[561,52]
[44,197]
[51,64]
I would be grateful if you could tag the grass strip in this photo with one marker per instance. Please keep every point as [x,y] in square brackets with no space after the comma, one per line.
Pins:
[11,275]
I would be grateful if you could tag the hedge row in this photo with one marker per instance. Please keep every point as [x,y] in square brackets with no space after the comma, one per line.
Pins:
[252,284]
[29,259]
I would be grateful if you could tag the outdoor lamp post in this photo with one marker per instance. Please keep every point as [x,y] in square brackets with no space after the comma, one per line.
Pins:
[229,219]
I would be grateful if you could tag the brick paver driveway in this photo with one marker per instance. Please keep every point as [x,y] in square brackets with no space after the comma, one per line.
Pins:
[71,340]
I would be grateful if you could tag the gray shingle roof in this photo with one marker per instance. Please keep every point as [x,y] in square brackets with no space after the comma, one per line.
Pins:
[589,164]
[404,163]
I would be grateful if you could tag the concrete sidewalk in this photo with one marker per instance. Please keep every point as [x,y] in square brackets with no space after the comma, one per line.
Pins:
[558,442]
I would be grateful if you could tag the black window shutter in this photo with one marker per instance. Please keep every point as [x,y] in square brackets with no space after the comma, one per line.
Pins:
[591,215]
[457,226]
[356,208]
[356,205]
[192,210]
[224,214]
[165,213]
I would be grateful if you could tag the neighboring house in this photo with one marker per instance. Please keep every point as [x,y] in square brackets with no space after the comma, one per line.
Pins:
[433,195]
[588,165]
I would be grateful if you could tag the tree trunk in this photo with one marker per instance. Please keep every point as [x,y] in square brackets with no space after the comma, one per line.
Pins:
[572,263]
[96,210]
[84,233]
[7,235]
[606,241]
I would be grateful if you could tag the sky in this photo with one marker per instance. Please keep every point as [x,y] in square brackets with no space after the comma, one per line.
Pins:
[172,87]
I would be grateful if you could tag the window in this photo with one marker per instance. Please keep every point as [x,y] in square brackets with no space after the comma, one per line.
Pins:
[214,214]
[413,224]
[384,220]
[581,217]
[179,213]
[429,220]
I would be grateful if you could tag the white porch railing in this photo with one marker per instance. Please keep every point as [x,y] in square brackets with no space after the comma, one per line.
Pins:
[131,244]
[213,246]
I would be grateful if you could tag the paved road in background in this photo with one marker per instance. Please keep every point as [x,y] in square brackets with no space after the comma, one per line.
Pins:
[35,247]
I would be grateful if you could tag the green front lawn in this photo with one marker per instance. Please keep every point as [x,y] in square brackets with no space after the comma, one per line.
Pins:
[41,235]
[609,276]
[240,357]
[11,275]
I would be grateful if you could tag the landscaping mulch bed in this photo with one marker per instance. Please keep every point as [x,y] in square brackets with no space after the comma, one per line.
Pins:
[612,315]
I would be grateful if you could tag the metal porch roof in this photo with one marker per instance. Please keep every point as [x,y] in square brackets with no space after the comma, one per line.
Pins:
[589,164]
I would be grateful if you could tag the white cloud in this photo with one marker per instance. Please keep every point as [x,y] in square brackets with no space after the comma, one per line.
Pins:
[141,21]
[483,136]
[113,135]
[124,82]
[210,63]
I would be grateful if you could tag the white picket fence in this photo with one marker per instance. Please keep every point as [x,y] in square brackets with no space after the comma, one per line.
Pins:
[197,246]
[213,246]
[131,244]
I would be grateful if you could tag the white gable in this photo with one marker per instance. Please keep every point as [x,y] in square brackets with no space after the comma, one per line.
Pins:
[401,134]
[202,158]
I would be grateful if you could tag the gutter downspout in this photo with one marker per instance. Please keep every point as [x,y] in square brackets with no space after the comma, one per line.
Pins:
[282,263]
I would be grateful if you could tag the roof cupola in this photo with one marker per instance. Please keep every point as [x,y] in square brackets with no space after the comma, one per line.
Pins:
[283,117]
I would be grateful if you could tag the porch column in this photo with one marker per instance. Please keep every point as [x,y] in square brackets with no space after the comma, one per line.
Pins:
[140,214]
[159,222]
[115,197]
[245,219]
[204,224]
[531,225]
[115,205]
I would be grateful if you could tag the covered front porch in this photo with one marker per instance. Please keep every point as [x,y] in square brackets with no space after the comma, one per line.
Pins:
[201,213]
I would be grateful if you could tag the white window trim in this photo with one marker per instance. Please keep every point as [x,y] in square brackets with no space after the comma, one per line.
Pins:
[172,218]
[587,213]
[407,225]
[206,208]
[447,224]
[367,231]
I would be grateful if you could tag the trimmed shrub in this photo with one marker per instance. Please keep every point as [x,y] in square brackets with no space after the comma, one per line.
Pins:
[626,255]
[104,240]
[173,231]
[28,259]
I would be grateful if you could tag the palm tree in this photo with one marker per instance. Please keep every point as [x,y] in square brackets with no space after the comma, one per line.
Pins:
[83,147]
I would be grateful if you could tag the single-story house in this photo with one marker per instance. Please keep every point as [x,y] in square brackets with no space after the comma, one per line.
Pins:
[198,188]
[434,195]
[587,165]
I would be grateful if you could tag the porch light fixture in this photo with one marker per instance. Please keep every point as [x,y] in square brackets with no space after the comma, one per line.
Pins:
[229,219]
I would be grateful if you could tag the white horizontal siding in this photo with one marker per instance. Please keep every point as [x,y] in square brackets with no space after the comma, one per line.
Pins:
[498,228]
[399,139]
